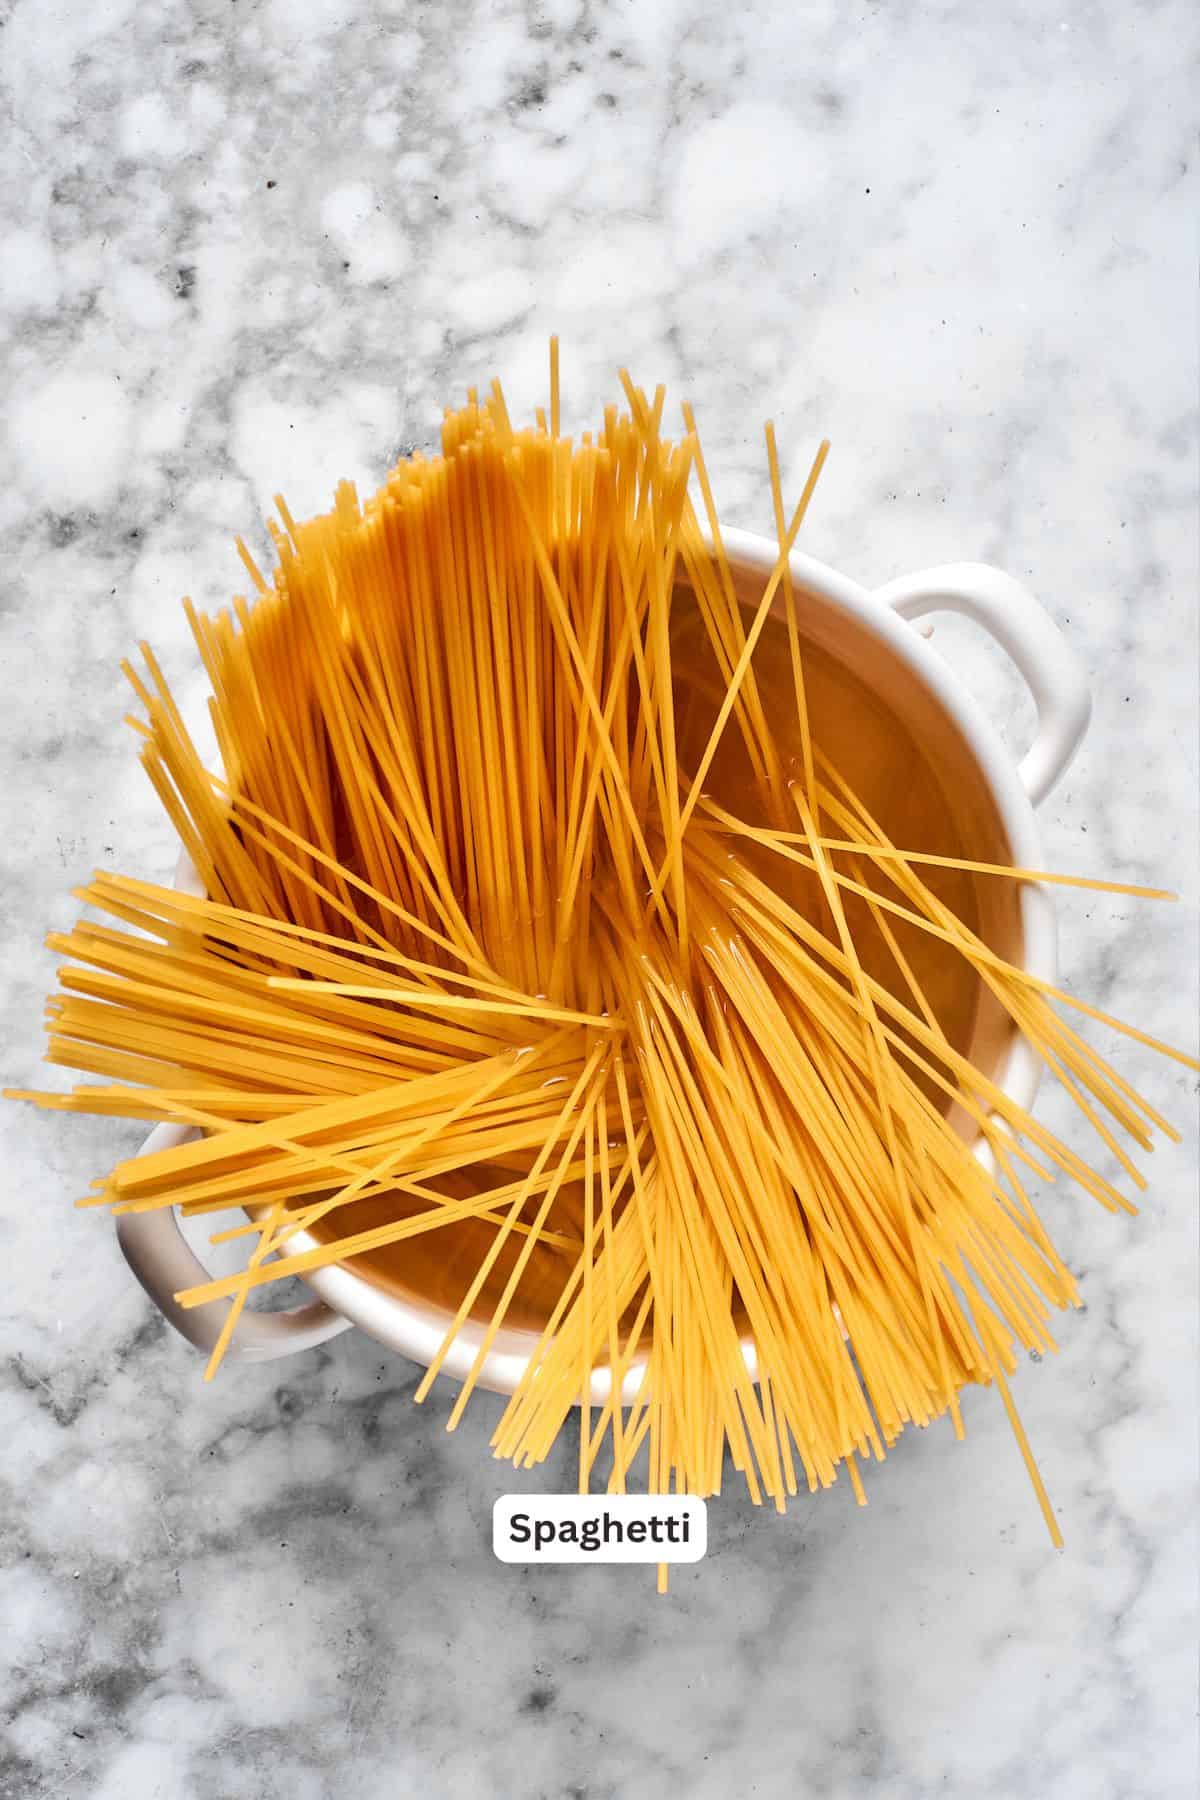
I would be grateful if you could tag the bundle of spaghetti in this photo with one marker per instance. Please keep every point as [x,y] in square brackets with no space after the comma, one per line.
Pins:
[479,944]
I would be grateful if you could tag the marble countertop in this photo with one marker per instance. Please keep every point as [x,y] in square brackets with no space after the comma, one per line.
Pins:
[256,246]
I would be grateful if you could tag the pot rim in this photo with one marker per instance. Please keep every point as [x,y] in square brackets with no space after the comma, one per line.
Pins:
[417,1331]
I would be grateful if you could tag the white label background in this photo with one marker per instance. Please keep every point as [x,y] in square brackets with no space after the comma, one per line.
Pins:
[622,1507]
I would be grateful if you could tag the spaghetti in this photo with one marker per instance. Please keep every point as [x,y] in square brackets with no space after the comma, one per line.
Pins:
[497,975]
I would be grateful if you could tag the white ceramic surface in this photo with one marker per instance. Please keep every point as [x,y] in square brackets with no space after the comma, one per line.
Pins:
[151,1241]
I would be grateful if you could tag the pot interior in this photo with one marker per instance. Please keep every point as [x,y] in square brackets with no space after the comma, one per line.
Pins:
[902,754]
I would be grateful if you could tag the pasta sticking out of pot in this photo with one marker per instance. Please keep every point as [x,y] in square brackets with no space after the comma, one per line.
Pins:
[585,950]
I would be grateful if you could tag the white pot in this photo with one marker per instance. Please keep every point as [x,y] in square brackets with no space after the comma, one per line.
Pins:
[874,635]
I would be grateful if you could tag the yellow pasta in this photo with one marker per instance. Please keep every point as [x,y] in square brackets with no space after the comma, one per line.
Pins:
[552,964]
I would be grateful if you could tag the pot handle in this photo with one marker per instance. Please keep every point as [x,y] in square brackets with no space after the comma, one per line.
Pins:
[1024,629]
[163,1261]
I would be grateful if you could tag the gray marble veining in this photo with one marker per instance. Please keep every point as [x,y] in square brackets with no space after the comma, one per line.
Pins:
[256,246]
